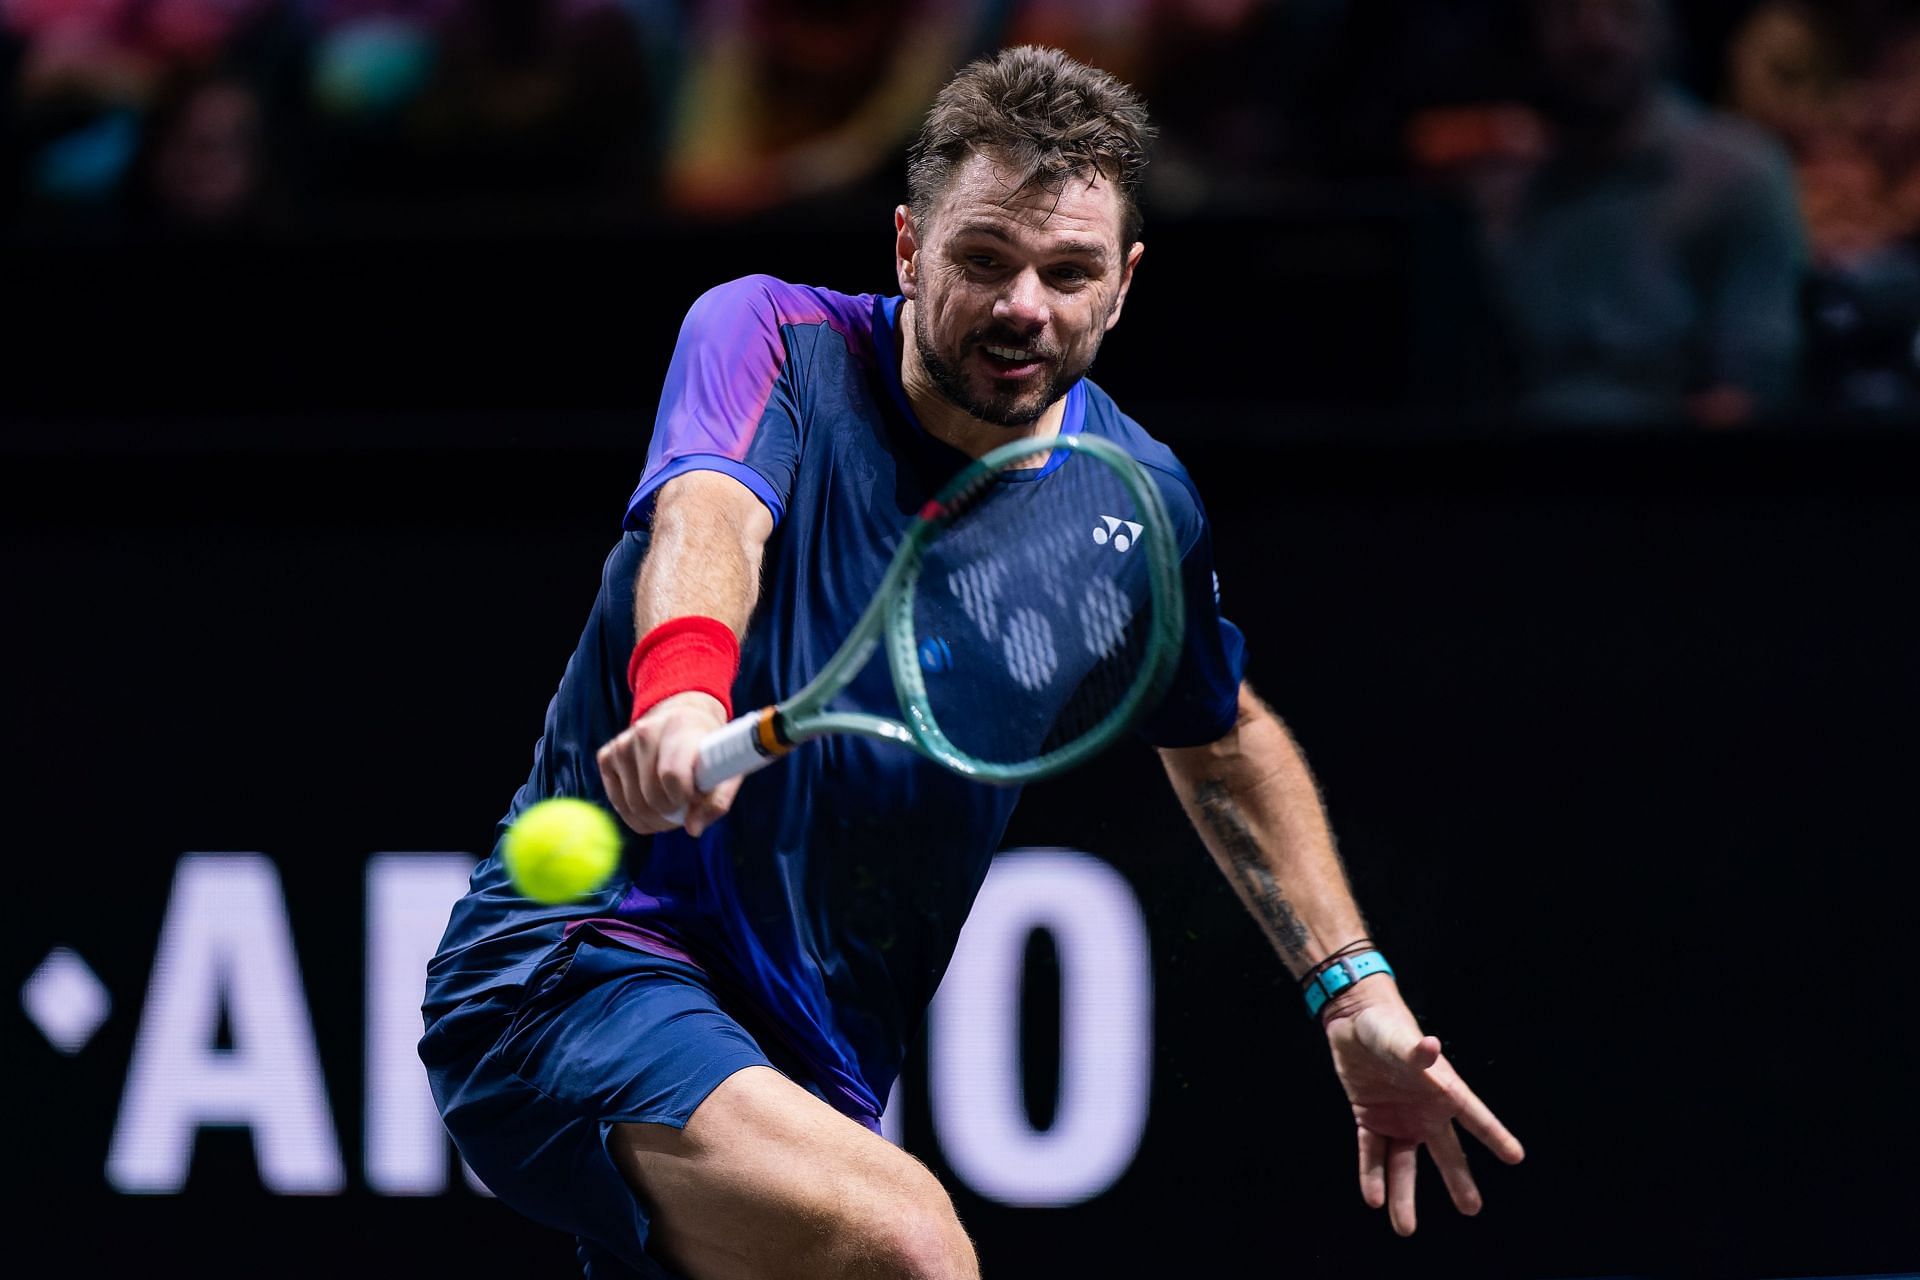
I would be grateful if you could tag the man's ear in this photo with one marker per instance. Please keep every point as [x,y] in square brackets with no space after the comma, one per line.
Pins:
[1126,282]
[906,250]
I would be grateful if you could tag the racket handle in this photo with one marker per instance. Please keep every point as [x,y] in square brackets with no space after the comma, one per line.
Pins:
[737,747]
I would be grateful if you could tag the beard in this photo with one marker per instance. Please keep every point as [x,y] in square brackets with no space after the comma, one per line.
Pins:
[1012,408]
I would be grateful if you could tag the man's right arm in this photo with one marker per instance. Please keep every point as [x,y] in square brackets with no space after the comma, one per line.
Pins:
[709,532]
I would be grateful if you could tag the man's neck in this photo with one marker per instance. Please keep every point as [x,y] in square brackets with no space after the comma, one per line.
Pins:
[946,421]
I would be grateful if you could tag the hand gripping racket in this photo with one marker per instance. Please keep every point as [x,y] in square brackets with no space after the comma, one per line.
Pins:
[1029,618]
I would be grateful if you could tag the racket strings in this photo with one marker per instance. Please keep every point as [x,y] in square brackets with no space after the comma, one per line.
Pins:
[1033,613]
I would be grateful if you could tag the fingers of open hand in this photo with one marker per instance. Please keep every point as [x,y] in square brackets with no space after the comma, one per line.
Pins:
[1389,1171]
[1478,1120]
[1445,1149]
[1401,1167]
[1373,1168]
[1424,1053]
[1464,1105]
[1415,1103]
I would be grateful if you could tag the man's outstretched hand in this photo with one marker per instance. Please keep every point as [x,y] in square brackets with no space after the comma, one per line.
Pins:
[1405,1094]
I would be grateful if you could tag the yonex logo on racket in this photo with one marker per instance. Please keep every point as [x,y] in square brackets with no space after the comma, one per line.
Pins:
[1122,533]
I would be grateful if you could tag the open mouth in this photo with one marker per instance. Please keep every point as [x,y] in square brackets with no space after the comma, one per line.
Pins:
[1011,362]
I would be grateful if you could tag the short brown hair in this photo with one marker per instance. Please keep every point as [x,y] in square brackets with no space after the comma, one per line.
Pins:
[1046,116]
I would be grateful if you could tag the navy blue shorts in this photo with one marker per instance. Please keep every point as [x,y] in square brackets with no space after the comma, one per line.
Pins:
[531,1088]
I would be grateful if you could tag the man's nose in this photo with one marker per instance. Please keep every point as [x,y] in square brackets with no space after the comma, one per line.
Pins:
[1022,304]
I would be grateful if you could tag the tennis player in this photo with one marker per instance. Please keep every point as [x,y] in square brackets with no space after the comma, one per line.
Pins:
[686,1071]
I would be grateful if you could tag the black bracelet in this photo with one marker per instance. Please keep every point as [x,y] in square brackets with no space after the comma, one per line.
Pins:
[1352,948]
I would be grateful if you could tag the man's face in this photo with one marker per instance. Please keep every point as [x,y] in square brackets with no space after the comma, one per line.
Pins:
[1013,291]
[1601,56]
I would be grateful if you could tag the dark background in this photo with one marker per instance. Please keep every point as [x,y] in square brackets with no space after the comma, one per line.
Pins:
[1617,740]
[303,500]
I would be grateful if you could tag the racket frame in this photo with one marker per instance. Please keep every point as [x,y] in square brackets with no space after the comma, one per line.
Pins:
[759,737]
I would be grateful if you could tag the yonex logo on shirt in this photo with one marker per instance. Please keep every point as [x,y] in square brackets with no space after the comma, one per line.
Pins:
[1123,533]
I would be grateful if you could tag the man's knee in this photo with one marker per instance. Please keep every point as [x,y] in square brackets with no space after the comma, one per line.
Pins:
[767,1180]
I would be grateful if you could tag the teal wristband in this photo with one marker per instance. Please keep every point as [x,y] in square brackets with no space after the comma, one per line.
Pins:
[1340,975]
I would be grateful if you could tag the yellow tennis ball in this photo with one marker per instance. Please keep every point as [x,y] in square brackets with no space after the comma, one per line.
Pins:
[561,850]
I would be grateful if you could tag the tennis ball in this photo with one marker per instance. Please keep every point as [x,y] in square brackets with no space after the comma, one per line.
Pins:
[561,850]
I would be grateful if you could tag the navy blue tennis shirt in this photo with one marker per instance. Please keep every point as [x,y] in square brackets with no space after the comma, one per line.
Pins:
[830,898]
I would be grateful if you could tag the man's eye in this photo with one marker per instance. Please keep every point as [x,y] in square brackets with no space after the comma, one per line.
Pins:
[1071,275]
[980,260]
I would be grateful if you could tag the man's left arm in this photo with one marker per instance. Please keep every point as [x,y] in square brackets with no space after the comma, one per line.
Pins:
[1254,802]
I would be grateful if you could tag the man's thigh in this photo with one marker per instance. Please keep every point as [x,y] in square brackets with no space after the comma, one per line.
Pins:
[766,1180]
[606,1035]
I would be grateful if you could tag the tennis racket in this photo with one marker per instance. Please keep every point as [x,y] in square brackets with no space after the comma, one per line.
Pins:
[1029,618]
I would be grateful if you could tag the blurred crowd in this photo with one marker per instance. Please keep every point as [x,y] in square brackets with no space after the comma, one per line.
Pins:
[216,113]
[1742,246]
[1704,214]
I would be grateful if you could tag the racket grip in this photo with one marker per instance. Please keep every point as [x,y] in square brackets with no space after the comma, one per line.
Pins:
[737,747]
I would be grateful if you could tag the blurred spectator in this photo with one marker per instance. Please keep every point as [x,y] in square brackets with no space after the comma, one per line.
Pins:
[203,164]
[537,97]
[1647,255]
[483,103]
[1239,93]
[126,107]
[1841,83]
[786,99]
[370,60]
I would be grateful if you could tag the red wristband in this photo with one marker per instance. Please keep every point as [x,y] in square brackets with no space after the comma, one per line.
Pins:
[693,654]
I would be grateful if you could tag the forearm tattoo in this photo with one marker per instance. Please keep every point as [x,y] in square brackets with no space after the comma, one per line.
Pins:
[1249,870]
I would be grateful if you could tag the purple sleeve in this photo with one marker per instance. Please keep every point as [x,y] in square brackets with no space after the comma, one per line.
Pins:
[729,402]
